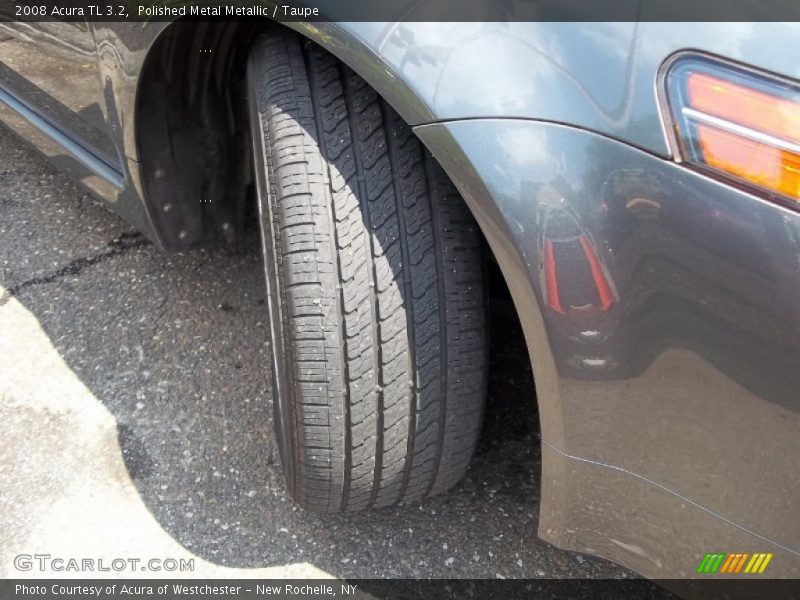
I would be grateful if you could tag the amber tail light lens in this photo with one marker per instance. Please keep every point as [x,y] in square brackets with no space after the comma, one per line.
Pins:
[735,123]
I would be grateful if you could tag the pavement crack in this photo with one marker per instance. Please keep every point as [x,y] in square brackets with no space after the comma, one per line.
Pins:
[116,247]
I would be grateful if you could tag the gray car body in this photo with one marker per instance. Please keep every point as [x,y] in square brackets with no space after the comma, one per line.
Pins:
[670,418]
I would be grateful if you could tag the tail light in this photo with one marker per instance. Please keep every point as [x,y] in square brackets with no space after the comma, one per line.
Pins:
[735,123]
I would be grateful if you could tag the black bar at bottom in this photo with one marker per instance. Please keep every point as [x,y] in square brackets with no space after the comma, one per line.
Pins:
[401,589]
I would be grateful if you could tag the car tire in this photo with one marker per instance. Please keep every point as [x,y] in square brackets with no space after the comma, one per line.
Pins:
[375,286]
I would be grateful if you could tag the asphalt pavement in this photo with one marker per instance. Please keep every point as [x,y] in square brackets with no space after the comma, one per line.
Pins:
[135,414]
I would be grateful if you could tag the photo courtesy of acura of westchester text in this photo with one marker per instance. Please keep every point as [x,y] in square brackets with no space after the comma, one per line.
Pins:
[399,300]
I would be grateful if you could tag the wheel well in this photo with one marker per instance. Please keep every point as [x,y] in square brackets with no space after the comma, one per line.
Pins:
[193,136]
[192,131]
[191,128]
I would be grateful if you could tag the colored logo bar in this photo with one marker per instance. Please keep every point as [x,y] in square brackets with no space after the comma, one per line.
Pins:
[742,562]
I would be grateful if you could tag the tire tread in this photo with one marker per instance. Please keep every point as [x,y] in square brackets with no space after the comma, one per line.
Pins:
[379,268]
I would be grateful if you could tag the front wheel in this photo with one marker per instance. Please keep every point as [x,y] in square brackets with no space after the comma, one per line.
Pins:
[375,288]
